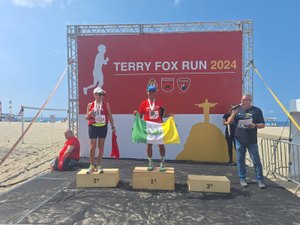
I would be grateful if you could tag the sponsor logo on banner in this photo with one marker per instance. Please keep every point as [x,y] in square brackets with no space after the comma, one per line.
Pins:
[183,83]
[153,82]
[167,84]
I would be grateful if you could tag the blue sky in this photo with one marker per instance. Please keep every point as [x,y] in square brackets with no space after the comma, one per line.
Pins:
[33,42]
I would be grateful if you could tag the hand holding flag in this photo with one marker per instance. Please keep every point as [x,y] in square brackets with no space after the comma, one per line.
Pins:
[154,133]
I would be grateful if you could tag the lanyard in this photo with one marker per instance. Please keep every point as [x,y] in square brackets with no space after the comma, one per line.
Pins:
[98,107]
[151,105]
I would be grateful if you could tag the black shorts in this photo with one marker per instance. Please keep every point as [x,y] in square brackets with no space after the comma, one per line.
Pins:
[97,132]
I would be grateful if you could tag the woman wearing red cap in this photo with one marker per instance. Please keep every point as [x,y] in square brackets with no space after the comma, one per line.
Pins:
[98,114]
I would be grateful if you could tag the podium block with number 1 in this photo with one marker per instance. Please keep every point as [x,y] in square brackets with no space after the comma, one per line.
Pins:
[153,180]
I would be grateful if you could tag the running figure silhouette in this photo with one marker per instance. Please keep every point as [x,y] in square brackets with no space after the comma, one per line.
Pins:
[97,71]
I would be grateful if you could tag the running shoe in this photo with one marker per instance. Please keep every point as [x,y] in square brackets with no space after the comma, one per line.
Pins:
[150,166]
[91,169]
[162,166]
[99,169]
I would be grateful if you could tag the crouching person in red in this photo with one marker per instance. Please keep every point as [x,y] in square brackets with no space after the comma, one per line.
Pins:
[69,155]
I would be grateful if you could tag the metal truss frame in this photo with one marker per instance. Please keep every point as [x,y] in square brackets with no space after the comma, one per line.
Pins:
[74,31]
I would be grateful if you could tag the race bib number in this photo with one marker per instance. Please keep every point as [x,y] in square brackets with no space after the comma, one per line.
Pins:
[100,119]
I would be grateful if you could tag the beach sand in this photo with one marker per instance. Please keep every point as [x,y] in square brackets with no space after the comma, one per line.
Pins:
[274,132]
[42,144]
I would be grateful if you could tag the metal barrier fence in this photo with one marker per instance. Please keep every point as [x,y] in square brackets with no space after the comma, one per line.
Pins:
[282,158]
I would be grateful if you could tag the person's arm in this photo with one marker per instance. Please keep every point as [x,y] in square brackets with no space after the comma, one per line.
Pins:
[224,122]
[260,122]
[89,113]
[140,111]
[233,112]
[135,112]
[163,111]
[257,125]
[69,151]
[231,117]
[110,117]
[168,115]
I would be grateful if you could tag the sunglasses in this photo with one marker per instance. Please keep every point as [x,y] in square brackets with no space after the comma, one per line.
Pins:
[100,94]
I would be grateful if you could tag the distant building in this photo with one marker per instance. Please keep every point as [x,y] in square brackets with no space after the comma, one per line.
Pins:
[8,117]
[271,122]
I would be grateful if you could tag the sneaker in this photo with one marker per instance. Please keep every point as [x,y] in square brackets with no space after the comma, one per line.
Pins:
[91,169]
[261,185]
[99,169]
[150,166]
[162,166]
[243,183]
[230,164]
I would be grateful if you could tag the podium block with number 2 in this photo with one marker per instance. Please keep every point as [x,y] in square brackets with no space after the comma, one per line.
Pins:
[109,178]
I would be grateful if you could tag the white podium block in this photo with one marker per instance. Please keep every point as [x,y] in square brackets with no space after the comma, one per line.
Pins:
[153,180]
[109,178]
[208,183]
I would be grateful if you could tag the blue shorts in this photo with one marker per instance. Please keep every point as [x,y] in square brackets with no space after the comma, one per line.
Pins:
[97,132]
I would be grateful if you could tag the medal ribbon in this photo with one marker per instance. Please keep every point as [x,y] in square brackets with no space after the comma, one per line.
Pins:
[151,105]
[98,107]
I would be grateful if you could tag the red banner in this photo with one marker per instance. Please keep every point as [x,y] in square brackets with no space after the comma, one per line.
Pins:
[186,67]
